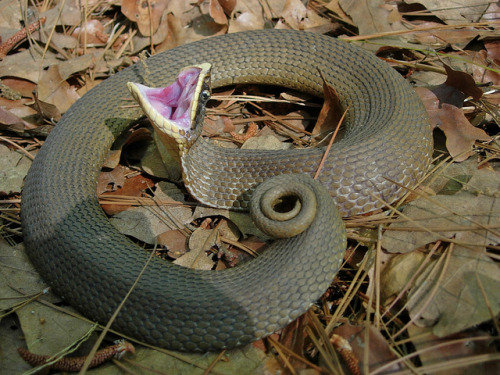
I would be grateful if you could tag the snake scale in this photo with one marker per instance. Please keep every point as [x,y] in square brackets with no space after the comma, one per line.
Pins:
[386,146]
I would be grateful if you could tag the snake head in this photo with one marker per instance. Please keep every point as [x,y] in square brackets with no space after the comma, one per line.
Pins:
[178,109]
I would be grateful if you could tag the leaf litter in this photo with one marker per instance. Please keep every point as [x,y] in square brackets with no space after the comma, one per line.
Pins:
[419,279]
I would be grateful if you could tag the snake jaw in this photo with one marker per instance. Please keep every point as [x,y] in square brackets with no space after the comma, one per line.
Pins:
[178,109]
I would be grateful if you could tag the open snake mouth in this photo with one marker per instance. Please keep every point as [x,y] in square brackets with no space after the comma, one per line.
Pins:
[174,109]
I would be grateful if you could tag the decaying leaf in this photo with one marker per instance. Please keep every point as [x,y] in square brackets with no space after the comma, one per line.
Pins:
[466,215]
[444,352]
[456,294]
[453,294]
[15,165]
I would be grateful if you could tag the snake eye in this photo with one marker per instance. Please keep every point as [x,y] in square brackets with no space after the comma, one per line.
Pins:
[205,95]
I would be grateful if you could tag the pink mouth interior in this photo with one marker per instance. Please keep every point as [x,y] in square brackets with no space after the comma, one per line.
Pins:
[174,102]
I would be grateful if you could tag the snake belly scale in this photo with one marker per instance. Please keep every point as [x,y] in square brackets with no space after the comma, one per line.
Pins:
[387,144]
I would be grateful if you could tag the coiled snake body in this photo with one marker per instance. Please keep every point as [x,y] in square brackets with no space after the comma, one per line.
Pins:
[387,145]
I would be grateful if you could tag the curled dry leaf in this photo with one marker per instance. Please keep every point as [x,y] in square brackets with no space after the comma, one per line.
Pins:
[91,32]
[331,112]
[217,12]
[227,5]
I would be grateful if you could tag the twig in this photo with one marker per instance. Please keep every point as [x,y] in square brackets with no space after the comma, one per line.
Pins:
[74,364]
[10,43]
[327,151]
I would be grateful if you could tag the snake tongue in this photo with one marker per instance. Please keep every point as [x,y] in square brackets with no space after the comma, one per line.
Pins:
[173,109]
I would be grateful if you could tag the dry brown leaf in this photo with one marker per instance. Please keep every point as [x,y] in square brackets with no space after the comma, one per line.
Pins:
[330,113]
[434,351]
[439,39]
[22,86]
[446,216]
[147,14]
[298,17]
[91,32]
[115,183]
[492,13]
[458,81]
[53,89]
[176,242]
[147,222]
[334,6]
[200,242]
[15,165]
[11,122]
[379,352]
[448,296]
[460,133]
[45,110]
[217,12]
[371,16]
[489,57]
[453,12]
[472,218]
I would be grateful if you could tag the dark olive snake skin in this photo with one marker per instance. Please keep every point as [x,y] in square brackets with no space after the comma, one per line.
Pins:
[92,266]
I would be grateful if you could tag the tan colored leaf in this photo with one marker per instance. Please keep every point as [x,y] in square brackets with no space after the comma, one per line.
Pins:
[217,12]
[455,285]
[466,213]
[53,89]
[176,242]
[200,242]
[453,12]
[246,21]
[370,16]
[298,17]
[147,14]
[448,296]
[15,165]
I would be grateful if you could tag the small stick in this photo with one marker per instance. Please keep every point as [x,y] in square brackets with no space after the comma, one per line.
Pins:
[74,364]
[19,36]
